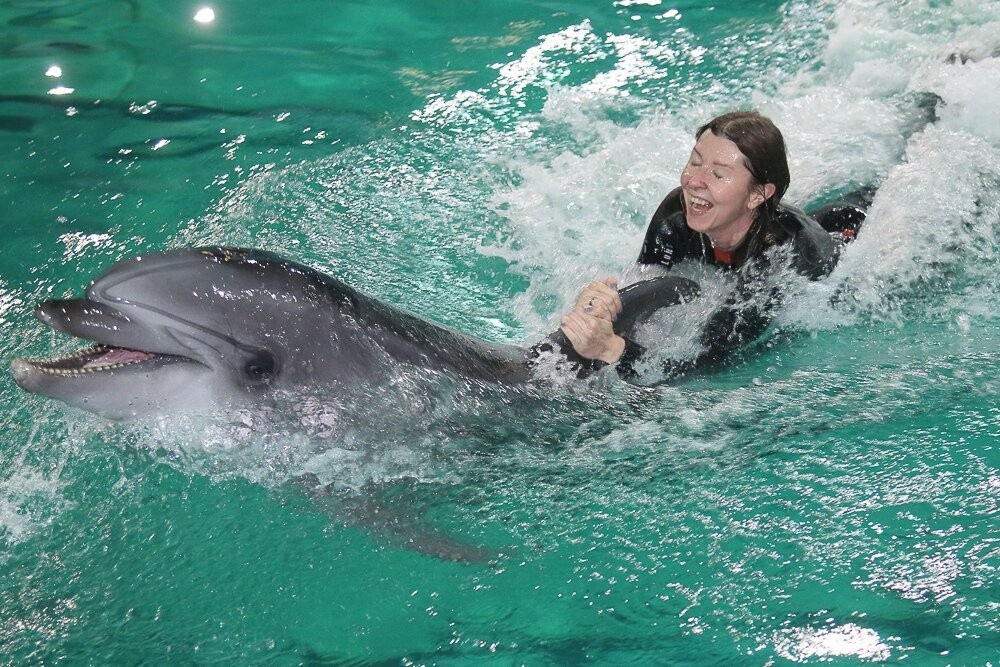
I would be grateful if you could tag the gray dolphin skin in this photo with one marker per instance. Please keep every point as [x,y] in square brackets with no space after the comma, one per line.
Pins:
[193,329]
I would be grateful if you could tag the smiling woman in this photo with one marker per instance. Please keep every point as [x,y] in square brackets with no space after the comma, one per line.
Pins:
[736,175]
[727,212]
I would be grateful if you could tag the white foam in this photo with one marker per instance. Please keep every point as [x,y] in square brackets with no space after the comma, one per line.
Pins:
[578,217]
[971,95]
[836,139]
[847,640]
[922,226]
[29,500]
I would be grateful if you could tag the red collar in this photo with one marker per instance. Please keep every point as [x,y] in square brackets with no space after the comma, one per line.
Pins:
[723,256]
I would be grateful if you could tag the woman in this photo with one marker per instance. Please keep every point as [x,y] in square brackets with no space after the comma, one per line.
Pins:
[727,212]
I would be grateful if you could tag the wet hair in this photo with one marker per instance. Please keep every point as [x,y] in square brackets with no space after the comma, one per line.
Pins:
[763,150]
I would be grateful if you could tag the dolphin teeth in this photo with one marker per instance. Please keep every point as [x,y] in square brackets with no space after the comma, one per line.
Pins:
[51,370]
[86,352]
[89,360]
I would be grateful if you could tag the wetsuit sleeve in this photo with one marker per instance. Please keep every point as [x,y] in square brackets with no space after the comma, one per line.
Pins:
[664,243]
[626,364]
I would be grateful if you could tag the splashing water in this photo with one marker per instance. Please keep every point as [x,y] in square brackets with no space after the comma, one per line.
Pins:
[830,497]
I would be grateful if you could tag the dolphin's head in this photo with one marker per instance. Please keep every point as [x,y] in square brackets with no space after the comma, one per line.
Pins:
[193,329]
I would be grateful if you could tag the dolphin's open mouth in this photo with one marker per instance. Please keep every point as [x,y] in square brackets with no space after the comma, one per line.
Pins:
[94,323]
[97,358]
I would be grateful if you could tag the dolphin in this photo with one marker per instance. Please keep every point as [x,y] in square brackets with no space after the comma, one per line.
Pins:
[199,328]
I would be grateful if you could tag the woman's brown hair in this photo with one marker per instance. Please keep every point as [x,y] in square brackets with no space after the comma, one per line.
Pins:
[763,150]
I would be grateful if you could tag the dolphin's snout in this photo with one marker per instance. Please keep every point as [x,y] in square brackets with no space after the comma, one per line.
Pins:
[51,312]
[83,318]
[23,372]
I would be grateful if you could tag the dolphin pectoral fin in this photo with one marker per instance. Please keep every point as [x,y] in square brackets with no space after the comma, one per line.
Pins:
[640,301]
[403,532]
[396,525]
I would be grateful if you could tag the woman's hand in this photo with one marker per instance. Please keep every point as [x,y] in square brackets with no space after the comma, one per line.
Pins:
[600,298]
[589,325]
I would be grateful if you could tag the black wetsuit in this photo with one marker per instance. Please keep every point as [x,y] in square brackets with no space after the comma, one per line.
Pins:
[790,239]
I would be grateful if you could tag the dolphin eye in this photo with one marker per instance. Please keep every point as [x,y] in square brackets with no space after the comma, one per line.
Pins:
[261,368]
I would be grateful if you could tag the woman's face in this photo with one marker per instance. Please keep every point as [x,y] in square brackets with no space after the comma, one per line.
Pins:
[718,200]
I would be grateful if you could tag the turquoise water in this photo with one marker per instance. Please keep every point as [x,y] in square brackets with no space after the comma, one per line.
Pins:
[832,498]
